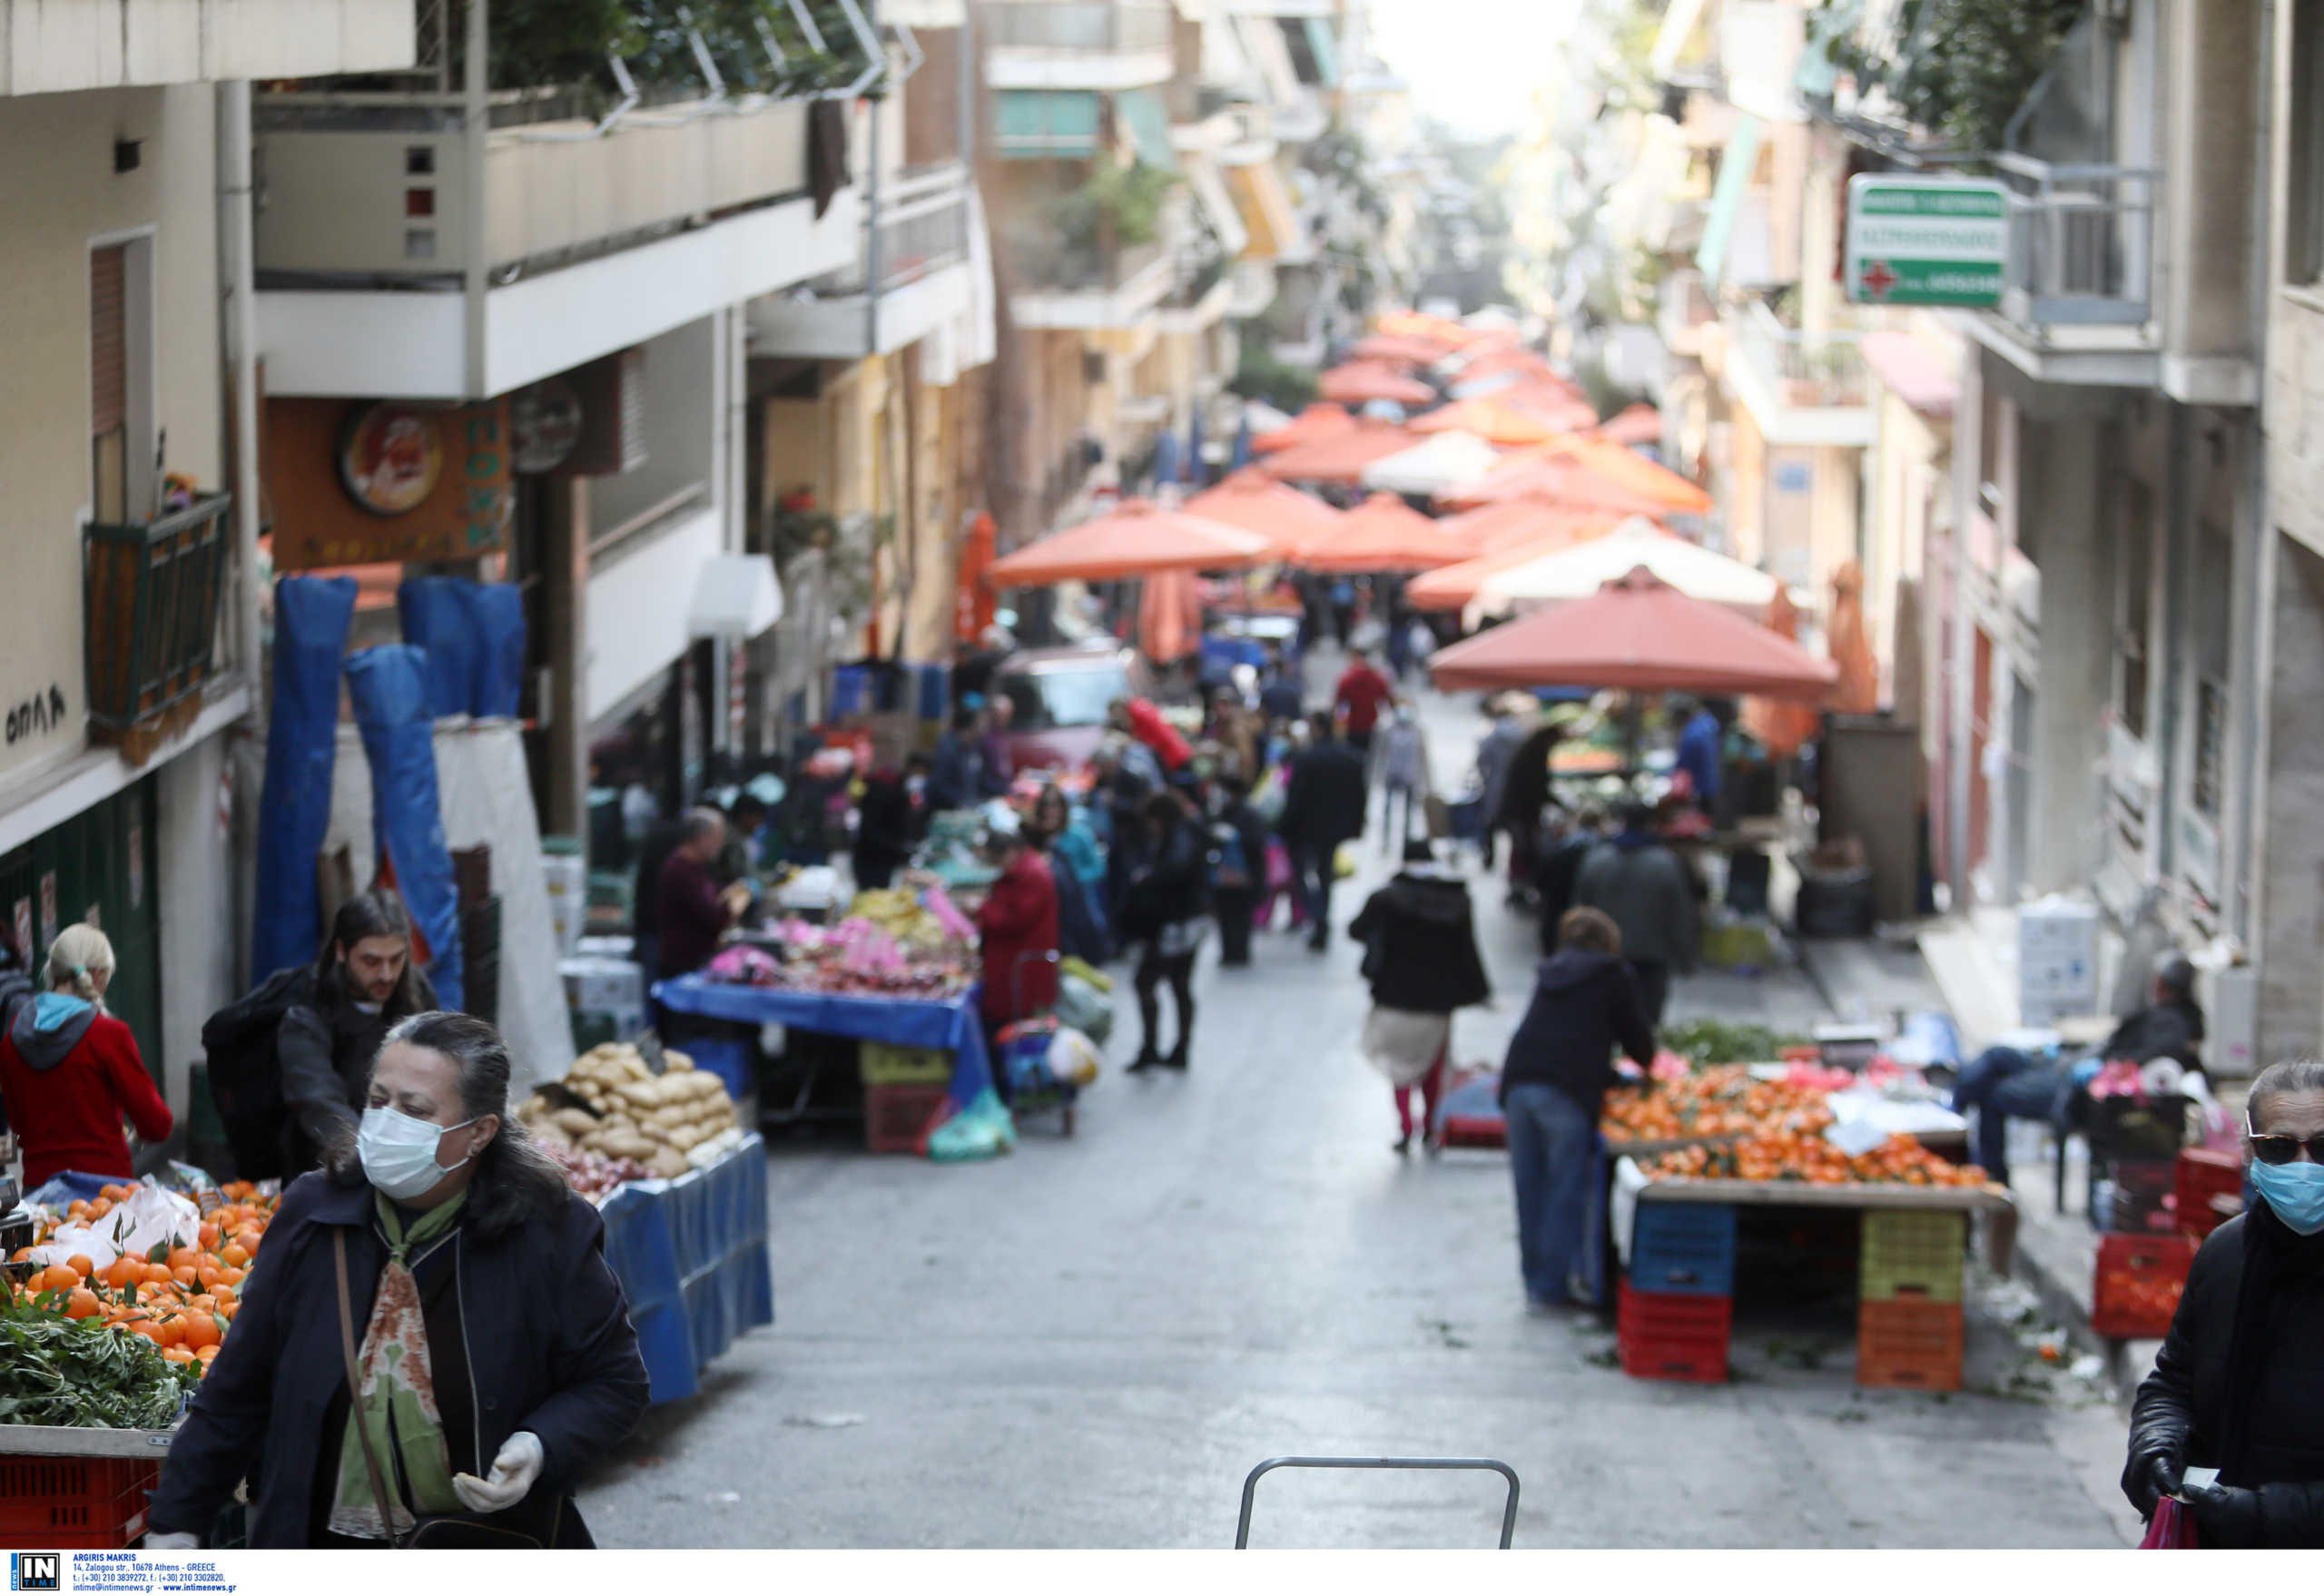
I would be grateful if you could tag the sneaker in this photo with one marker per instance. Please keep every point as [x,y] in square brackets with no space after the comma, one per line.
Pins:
[1403,1148]
[1147,1060]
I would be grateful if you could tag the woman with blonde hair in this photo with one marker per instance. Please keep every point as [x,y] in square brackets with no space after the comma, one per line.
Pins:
[70,1072]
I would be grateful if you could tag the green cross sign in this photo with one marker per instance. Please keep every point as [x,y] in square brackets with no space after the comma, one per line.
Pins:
[1927,240]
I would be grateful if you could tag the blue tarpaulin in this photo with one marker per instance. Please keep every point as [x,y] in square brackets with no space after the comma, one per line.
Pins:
[498,690]
[692,1258]
[387,684]
[440,620]
[951,1024]
[311,620]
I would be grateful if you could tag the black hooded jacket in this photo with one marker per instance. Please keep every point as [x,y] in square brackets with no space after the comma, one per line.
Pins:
[1421,945]
[1584,1006]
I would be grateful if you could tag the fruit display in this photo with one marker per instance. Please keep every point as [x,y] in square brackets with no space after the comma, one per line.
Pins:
[907,919]
[857,957]
[1720,1041]
[593,1175]
[178,1296]
[1719,1102]
[612,1105]
[1809,1156]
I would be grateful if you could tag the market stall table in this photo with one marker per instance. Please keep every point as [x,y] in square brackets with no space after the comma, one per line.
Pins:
[1632,1186]
[691,1255]
[952,1024]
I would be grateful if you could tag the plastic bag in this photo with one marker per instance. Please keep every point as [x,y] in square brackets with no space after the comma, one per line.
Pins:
[2173,1528]
[1344,862]
[1073,1058]
[1025,1054]
[1083,1008]
[981,1131]
[1082,970]
[147,1218]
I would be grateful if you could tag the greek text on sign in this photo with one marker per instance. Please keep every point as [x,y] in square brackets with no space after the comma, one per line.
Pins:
[1927,240]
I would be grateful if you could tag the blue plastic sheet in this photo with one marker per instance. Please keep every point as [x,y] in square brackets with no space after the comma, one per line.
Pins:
[311,620]
[728,1058]
[691,1255]
[497,688]
[953,1024]
[932,691]
[440,620]
[407,814]
[850,690]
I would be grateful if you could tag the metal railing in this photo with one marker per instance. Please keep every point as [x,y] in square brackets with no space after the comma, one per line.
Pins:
[1083,26]
[2081,243]
[1683,308]
[924,228]
[1058,266]
[1808,371]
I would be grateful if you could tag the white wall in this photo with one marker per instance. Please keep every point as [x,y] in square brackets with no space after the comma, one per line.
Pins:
[637,610]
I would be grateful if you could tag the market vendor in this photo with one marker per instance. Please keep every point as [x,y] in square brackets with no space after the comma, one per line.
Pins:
[693,912]
[1016,930]
[497,1360]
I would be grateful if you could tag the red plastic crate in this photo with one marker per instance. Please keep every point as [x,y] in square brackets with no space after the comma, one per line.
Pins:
[2202,1174]
[2140,1278]
[896,1118]
[1701,1359]
[1645,1315]
[1912,1343]
[74,1503]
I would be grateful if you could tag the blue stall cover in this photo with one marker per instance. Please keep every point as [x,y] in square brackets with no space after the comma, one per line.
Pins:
[440,620]
[850,690]
[312,615]
[407,813]
[953,1025]
[498,611]
[691,1255]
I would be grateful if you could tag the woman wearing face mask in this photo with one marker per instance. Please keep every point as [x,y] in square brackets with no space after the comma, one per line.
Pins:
[445,1259]
[2239,1384]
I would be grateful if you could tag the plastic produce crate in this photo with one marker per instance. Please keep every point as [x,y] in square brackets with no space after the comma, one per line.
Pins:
[1684,1247]
[2140,1279]
[2144,1201]
[1915,1345]
[2199,1176]
[885,1064]
[74,1503]
[1673,1336]
[897,1118]
[1913,1255]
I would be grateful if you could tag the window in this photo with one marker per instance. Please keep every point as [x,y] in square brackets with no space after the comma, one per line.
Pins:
[2133,607]
[2304,192]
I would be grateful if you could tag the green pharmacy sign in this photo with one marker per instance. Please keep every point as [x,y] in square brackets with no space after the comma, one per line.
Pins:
[1927,240]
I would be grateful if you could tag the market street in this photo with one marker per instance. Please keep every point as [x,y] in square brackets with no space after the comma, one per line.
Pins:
[1089,1342]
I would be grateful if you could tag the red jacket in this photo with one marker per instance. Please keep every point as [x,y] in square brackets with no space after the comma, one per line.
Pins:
[68,1116]
[1360,694]
[1146,725]
[1019,917]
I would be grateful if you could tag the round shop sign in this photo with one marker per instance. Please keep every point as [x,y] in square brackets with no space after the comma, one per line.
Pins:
[545,421]
[390,458]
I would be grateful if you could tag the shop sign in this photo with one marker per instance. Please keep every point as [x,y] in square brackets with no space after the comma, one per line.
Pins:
[544,424]
[390,459]
[1927,240]
[378,484]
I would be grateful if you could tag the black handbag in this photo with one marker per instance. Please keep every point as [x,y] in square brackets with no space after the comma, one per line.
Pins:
[512,1530]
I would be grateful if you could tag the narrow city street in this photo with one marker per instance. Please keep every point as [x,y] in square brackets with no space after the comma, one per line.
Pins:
[1089,1342]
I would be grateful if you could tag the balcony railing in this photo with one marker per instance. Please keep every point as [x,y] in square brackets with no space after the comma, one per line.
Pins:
[924,228]
[2081,244]
[1056,265]
[153,591]
[1683,311]
[1090,27]
[1805,371]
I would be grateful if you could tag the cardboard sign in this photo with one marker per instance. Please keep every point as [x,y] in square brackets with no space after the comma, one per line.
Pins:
[360,483]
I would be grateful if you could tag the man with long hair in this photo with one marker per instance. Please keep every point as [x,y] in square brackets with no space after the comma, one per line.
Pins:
[365,981]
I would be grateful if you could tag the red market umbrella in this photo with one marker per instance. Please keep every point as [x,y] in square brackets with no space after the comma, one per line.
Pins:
[1534,524]
[1340,457]
[1535,478]
[1311,425]
[1135,539]
[1400,346]
[1363,381]
[1639,424]
[1490,419]
[1381,534]
[1639,635]
[1257,502]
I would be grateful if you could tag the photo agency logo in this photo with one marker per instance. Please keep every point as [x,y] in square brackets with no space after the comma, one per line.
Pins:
[36,1570]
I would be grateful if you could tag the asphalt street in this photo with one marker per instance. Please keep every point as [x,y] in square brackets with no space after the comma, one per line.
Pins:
[1089,1342]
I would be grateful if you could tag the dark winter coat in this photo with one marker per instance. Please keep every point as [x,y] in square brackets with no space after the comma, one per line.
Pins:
[1324,802]
[548,1342]
[1642,886]
[1525,790]
[1420,940]
[1169,885]
[1555,872]
[2164,1031]
[2182,1407]
[1584,1006]
[324,1047]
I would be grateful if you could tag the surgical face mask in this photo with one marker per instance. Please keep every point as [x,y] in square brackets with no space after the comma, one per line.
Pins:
[398,1152]
[916,786]
[2295,1191]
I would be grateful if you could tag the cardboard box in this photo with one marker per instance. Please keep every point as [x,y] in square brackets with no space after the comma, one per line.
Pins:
[613,986]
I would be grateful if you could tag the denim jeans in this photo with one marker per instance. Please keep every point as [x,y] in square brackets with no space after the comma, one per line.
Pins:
[1551,1144]
[2003,1084]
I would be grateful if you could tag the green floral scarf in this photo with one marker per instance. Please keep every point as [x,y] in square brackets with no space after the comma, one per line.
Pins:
[397,1404]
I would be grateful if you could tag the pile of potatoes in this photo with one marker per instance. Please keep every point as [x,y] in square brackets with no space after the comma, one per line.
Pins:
[668,1122]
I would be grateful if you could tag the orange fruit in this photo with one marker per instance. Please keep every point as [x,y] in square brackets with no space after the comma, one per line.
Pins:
[233,1254]
[78,1208]
[209,1273]
[20,1254]
[203,1330]
[148,1329]
[158,1275]
[207,1356]
[223,1291]
[208,1236]
[59,1278]
[184,1257]
[119,1272]
[101,1207]
[187,1274]
[177,1354]
[114,1192]
[81,1265]
[82,1305]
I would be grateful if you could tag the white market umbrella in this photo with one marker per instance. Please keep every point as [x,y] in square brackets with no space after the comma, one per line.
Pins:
[1262,417]
[1446,461]
[1576,573]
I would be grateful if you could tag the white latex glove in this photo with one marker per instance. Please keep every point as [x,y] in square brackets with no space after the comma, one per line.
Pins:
[172,1541]
[513,1473]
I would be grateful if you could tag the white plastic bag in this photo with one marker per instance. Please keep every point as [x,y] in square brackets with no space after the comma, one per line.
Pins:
[148,1217]
[1073,1057]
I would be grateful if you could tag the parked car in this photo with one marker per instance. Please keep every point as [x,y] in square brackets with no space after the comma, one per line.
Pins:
[1061,696]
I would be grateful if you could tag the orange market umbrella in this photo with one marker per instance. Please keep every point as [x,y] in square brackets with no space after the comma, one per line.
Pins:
[1533,476]
[974,606]
[1381,534]
[1618,463]
[1400,346]
[1636,425]
[1363,381]
[1518,522]
[1859,689]
[1549,403]
[1454,587]
[1135,539]
[1640,635]
[1417,324]
[1311,425]
[1342,457]
[1782,727]
[1490,419]
[1169,616]
[1257,502]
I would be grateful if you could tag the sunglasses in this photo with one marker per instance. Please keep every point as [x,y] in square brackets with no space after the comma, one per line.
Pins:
[2282,1149]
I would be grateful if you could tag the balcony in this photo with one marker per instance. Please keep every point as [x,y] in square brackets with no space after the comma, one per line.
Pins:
[1803,390]
[419,246]
[153,594]
[59,47]
[1684,311]
[1069,284]
[1078,44]
[2078,289]
[926,278]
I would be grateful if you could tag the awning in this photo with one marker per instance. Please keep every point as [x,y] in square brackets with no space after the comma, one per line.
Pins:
[1261,200]
[1218,206]
[1735,167]
[736,596]
[1326,49]
[1035,124]
[1141,110]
